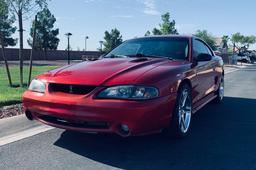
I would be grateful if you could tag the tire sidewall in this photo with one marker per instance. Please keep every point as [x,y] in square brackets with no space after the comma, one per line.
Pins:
[175,127]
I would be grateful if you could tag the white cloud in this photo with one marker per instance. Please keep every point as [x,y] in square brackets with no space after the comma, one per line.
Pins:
[150,7]
[122,16]
[88,1]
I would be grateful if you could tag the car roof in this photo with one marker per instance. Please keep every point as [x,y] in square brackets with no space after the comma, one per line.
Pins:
[167,36]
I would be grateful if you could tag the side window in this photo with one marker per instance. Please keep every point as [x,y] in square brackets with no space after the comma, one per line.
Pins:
[209,51]
[200,48]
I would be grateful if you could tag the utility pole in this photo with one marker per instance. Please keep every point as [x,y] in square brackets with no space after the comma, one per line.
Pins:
[21,46]
[85,43]
[68,36]
[101,43]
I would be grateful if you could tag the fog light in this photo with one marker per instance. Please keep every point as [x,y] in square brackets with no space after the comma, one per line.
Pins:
[125,128]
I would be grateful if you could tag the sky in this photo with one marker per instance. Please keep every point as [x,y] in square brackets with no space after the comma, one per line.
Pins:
[134,17]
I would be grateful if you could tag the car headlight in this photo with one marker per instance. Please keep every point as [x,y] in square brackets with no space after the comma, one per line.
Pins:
[37,86]
[129,92]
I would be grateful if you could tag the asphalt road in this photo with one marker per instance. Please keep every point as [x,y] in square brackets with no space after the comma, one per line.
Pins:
[222,137]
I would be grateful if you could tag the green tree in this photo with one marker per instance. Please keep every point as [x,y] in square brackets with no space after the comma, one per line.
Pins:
[236,38]
[166,27]
[112,39]
[207,37]
[147,33]
[6,31]
[6,25]
[156,31]
[242,42]
[46,35]
[23,9]
[248,40]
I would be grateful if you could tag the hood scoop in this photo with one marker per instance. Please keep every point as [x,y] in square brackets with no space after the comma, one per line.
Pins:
[141,59]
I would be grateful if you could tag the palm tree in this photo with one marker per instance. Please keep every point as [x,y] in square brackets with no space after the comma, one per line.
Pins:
[225,39]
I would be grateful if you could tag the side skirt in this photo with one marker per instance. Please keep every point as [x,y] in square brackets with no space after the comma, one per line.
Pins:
[201,103]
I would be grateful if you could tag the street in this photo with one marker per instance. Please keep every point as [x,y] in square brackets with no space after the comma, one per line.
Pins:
[222,137]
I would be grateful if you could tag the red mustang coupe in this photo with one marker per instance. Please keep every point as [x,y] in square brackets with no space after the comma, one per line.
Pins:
[143,86]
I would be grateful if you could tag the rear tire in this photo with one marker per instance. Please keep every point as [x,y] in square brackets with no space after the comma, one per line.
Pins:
[181,116]
[220,91]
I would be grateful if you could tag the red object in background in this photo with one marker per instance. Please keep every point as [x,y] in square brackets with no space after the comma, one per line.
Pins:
[71,97]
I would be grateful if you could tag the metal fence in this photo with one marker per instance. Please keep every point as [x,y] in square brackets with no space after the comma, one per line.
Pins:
[12,54]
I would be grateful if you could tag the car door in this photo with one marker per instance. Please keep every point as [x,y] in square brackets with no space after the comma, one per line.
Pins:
[204,70]
[213,73]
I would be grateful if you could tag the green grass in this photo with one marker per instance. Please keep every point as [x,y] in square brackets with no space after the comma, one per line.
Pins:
[11,95]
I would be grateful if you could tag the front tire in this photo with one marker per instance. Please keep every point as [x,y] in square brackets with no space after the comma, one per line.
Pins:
[182,113]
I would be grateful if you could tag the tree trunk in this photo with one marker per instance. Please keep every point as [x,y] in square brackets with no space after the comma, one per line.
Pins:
[31,54]
[234,48]
[6,64]
[45,54]
[21,46]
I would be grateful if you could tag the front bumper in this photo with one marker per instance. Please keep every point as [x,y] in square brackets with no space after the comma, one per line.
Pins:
[86,114]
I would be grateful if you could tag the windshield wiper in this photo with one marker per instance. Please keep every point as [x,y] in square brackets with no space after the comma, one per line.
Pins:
[152,56]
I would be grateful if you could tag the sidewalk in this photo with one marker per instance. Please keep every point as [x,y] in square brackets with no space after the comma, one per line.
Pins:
[18,127]
[231,68]
[239,65]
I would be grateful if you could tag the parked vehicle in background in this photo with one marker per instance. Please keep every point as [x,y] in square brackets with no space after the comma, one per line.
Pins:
[252,55]
[218,53]
[243,57]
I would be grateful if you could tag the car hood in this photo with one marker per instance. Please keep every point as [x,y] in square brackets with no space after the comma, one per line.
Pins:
[103,72]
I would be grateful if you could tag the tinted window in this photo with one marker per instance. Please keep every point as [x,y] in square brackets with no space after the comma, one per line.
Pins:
[176,48]
[200,48]
[209,51]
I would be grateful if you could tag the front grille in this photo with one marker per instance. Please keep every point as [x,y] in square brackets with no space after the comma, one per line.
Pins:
[71,89]
[73,123]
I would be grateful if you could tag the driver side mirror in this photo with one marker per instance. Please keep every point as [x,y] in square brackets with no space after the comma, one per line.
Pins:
[203,57]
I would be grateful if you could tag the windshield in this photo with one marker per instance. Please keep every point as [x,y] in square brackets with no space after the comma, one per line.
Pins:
[174,48]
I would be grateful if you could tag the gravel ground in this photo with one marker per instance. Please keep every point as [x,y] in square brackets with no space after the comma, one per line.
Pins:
[9,111]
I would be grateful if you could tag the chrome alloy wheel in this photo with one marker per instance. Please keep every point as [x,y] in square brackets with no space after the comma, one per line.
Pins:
[184,111]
